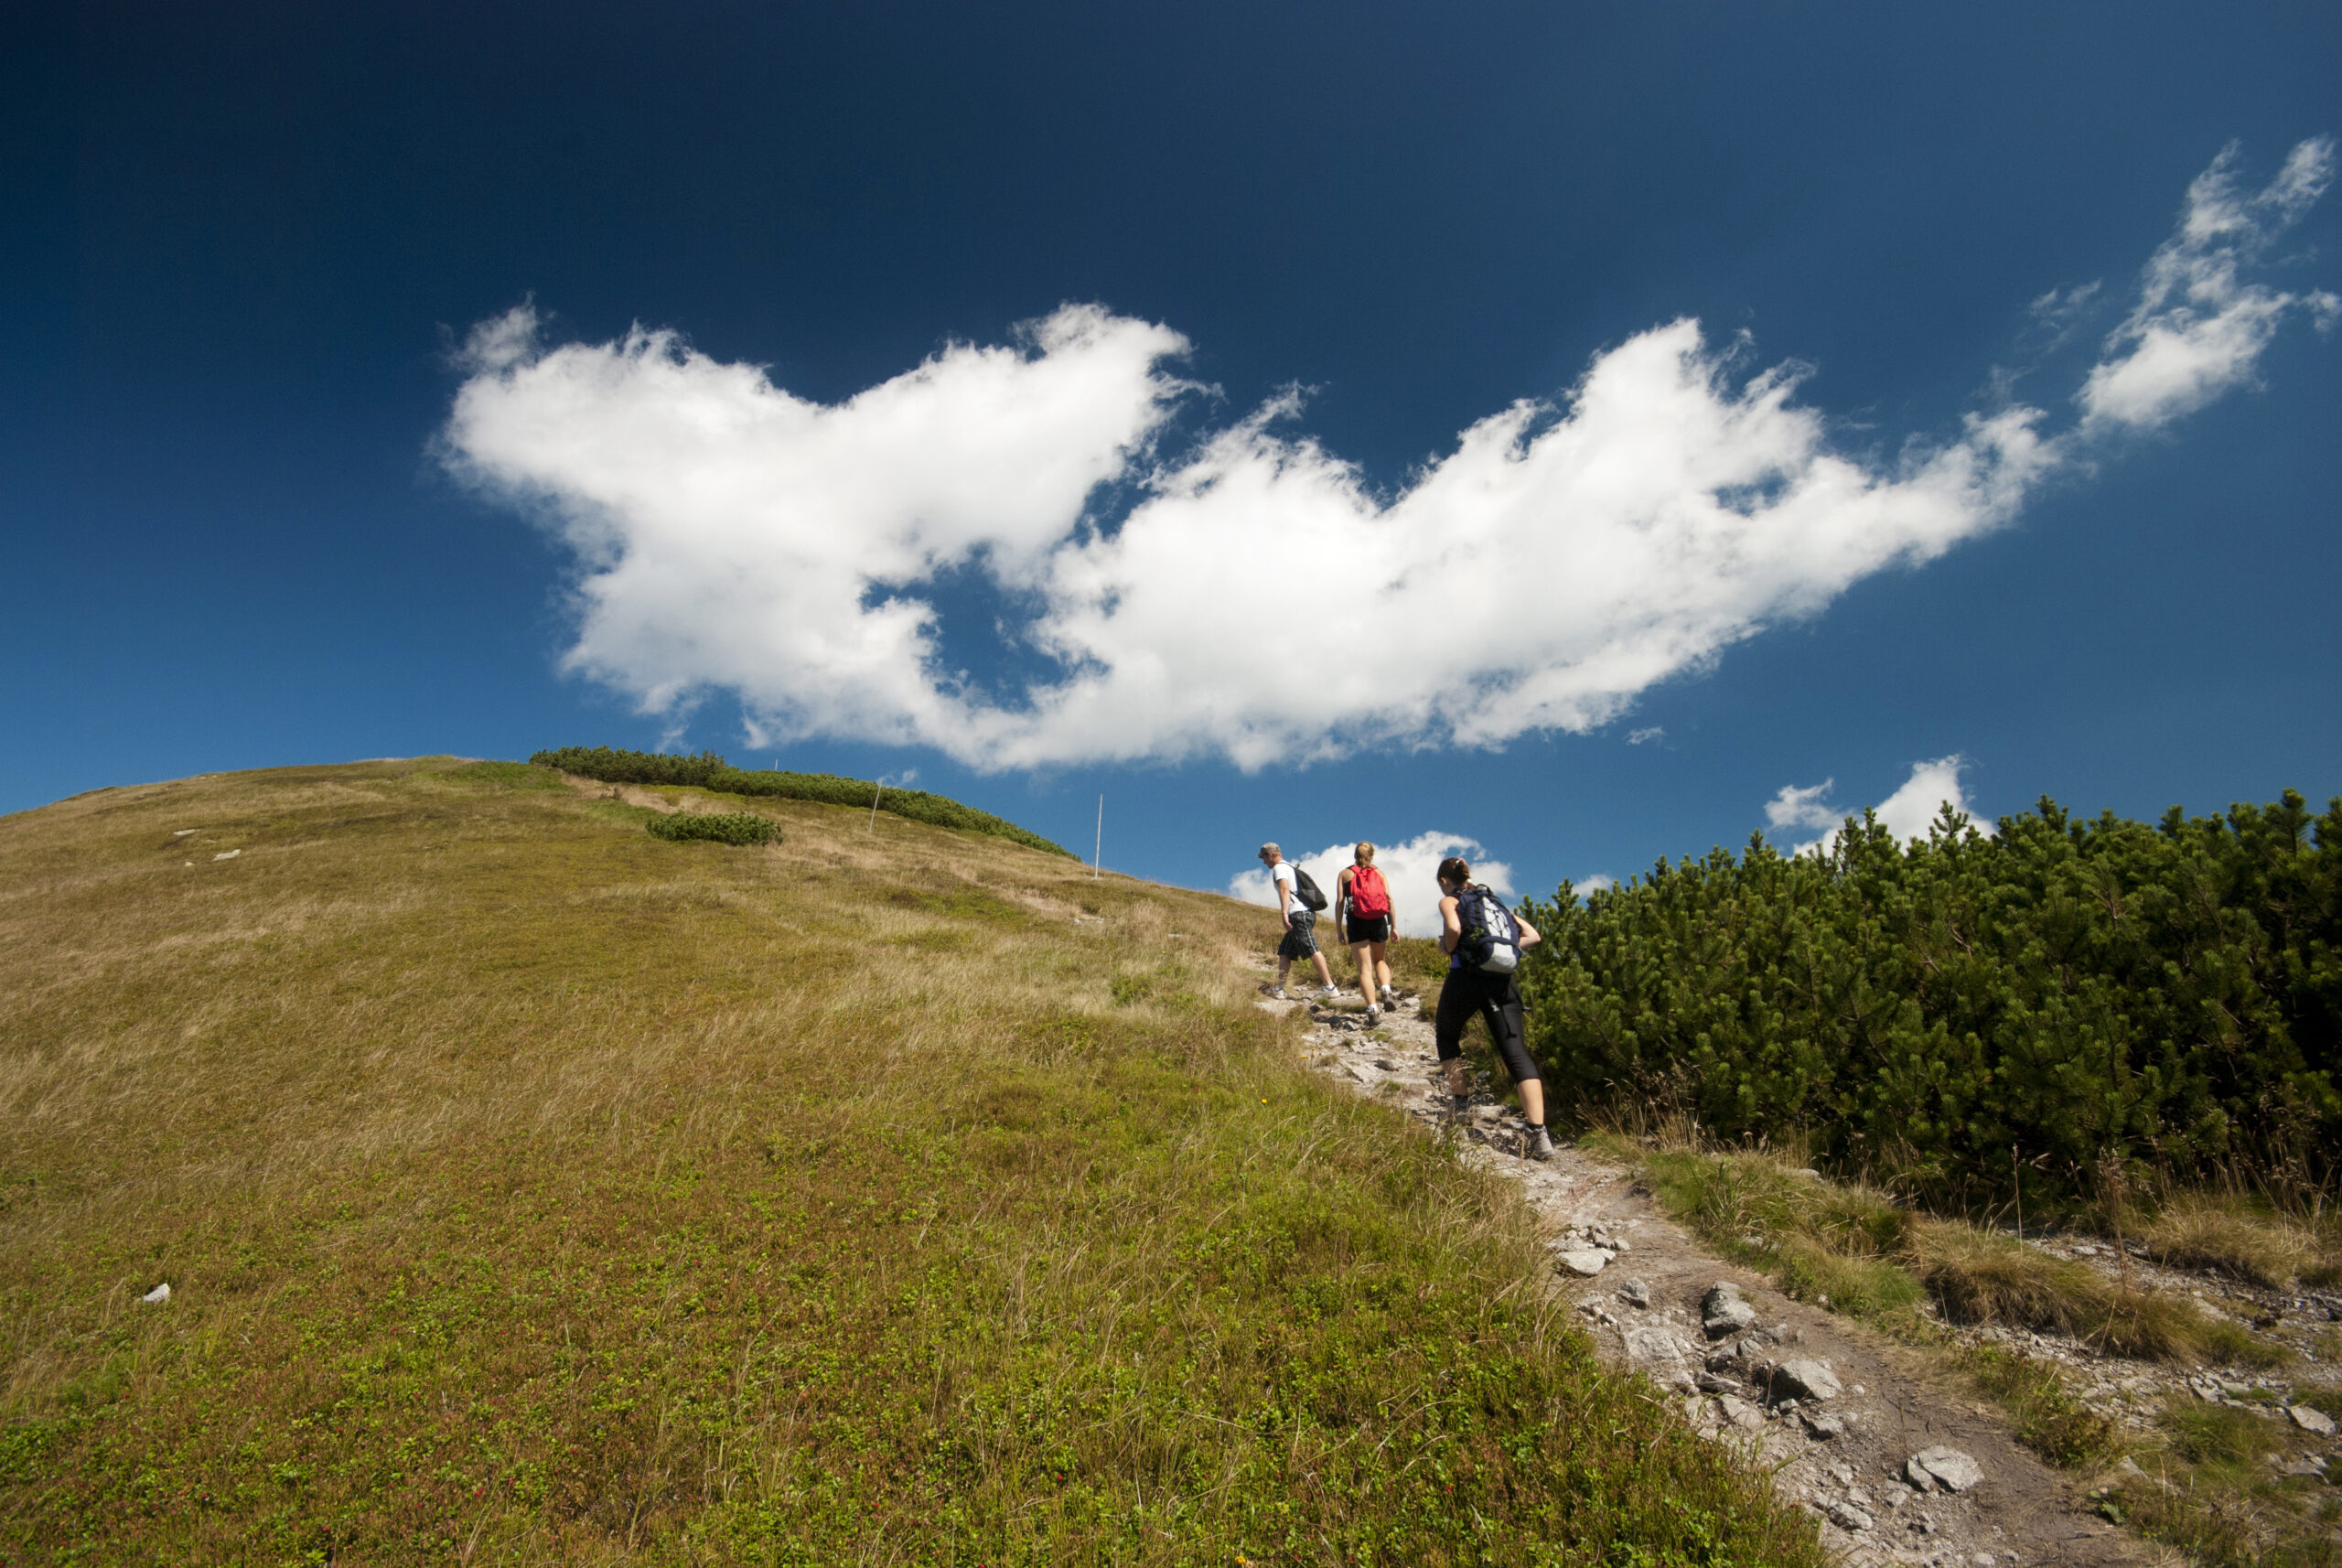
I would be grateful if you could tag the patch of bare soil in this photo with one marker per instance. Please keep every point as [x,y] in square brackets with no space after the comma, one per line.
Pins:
[1896,1465]
[635,795]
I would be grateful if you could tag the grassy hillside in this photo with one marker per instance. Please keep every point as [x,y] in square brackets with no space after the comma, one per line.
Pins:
[532,1189]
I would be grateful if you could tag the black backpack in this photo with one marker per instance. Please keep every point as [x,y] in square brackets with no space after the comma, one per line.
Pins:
[1492,941]
[1305,889]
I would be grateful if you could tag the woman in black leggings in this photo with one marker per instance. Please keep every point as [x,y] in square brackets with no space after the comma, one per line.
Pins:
[1496,998]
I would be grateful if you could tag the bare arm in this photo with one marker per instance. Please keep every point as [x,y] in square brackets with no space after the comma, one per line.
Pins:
[1284,895]
[1529,935]
[1451,927]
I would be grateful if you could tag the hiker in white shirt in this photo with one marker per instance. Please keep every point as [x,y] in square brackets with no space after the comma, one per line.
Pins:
[1300,938]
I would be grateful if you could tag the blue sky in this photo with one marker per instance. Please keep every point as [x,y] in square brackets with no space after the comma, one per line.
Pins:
[245,248]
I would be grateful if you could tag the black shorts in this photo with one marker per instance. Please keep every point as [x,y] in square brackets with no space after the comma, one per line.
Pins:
[1368,929]
[1495,997]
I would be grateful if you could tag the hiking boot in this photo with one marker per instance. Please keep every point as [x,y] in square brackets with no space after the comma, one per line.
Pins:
[1373,1014]
[1277,993]
[1389,997]
[1331,993]
[1459,1106]
[1540,1145]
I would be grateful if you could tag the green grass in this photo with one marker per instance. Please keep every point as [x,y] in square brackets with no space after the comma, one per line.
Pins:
[534,1191]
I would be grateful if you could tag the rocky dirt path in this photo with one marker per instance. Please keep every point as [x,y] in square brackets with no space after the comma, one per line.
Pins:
[1897,1466]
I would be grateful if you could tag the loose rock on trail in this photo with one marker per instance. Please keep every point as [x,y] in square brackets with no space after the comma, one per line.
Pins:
[1896,1465]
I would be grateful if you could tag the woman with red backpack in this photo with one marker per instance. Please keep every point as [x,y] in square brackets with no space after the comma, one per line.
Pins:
[1366,919]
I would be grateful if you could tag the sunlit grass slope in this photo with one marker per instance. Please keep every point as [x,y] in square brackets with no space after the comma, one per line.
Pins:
[532,1189]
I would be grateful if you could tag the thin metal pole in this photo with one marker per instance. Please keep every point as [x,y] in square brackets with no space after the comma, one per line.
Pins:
[1098,853]
[881,790]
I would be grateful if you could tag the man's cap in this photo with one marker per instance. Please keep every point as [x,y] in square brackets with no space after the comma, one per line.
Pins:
[1268,849]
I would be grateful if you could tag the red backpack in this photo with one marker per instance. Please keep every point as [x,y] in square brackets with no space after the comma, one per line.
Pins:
[1369,896]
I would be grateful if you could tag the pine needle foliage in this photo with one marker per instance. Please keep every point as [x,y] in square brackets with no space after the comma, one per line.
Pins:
[1970,1014]
[721,827]
[709,771]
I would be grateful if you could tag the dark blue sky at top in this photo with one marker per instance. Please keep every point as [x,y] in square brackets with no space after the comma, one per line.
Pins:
[237,242]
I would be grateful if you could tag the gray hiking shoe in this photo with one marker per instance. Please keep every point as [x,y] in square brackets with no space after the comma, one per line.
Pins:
[1389,997]
[1330,993]
[1540,1145]
[1373,1014]
[1276,992]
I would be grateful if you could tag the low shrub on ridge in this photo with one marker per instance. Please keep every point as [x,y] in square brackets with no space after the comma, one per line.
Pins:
[723,827]
[709,771]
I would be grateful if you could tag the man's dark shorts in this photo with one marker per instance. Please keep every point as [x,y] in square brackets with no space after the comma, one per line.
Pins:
[1300,939]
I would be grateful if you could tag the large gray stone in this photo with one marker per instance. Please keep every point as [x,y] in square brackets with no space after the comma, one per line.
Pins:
[1803,1380]
[1652,1345]
[2310,1419]
[1723,1311]
[1586,1261]
[1849,1518]
[1943,1469]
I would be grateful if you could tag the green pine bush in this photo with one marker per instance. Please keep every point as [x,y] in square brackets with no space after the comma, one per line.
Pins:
[1954,1010]
[723,827]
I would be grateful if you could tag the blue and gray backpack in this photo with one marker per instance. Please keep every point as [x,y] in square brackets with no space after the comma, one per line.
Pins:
[1492,940]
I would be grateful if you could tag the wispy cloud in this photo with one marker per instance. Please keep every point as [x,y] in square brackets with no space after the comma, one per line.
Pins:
[1559,560]
[2197,330]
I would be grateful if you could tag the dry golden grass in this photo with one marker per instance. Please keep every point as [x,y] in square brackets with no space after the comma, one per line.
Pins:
[534,1189]
[2204,1231]
[1872,1257]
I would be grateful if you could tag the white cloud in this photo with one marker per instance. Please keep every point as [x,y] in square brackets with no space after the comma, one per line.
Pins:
[1596,882]
[1409,869]
[1803,806]
[1561,559]
[1907,814]
[1637,737]
[1912,808]
[2197,331]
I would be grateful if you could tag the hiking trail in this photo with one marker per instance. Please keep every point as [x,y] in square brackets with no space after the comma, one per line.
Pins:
[1898,1464]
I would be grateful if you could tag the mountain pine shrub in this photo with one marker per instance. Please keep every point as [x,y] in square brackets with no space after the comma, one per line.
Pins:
[1965,1012]
[723,827]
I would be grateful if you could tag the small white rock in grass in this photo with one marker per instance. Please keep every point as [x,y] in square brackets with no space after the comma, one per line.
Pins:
[181,833]
[2311,1419]
[1585,1260]
[159,1294]
[228,854]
